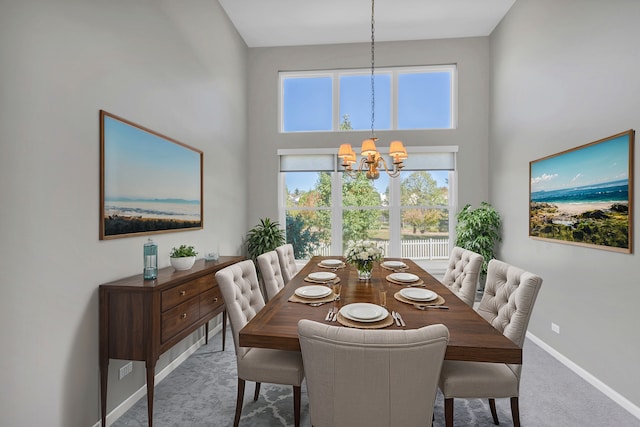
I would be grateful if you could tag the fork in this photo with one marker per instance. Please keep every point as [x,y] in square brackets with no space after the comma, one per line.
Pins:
[329,315]
[318,304]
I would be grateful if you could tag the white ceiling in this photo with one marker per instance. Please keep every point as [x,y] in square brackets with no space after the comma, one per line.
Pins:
[303,22]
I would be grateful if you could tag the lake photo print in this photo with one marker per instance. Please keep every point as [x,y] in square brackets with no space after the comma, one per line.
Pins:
[583,196]
[149,183]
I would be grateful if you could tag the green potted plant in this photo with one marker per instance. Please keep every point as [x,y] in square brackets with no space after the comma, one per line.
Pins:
[182,257]
[264,237]
[478,230]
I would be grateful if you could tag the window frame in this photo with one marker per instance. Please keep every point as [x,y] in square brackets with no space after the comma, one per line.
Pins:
[394,207]
[393,71]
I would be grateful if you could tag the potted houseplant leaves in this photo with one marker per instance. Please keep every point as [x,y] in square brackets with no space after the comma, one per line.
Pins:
[264,237]
[478,230]
[182,257]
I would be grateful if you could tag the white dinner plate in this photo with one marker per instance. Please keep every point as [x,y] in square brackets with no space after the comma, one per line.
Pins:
[313,291]
[418,294]
[363,312]
[331,262]
[394,264]
[404,277]
[321,275]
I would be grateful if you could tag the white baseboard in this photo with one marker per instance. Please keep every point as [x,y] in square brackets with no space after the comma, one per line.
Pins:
[608,391]
[119,410]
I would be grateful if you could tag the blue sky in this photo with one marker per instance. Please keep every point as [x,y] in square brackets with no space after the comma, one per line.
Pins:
[599,163]
[139,164]
[424,101]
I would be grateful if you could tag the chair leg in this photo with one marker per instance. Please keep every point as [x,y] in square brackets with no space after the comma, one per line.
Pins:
[296,405]
[448,412]
[515,412]
[494,413]
[239,400]
[256,394]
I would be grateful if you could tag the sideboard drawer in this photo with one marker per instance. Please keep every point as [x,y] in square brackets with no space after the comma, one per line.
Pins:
[210,300]
[179,294]
[179,318]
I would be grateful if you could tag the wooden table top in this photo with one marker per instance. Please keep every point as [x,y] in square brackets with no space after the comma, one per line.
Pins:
[471,337]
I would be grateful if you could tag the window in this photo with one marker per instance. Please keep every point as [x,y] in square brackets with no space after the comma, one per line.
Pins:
[408,216]
[405,98]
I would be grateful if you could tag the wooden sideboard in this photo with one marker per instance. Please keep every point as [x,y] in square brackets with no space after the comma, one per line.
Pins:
[141,319]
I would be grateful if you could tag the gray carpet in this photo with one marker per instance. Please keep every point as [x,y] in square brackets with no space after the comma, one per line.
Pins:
[202,392]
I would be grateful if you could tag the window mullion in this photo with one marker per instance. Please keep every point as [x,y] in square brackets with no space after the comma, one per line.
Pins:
[395,219]
[336,213]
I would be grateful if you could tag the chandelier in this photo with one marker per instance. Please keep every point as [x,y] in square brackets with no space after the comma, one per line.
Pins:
[372,161]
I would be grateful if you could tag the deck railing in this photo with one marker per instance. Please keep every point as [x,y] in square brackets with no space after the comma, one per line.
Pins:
[414,249]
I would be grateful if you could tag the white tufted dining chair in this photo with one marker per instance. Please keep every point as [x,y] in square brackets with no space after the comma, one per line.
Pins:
[462,274]
[287,261]
[243,299]
[269,265]
[367,377]
[507,303]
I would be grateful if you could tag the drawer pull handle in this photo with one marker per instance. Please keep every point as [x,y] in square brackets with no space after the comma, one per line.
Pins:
[215,299]
[183,316]
[183,293]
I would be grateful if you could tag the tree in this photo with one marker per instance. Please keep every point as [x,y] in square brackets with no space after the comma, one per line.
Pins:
[420,189]
[300,235]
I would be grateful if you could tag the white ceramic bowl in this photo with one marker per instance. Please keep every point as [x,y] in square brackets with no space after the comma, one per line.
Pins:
[183,263]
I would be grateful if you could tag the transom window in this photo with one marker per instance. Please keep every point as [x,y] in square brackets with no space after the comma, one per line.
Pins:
[405,98]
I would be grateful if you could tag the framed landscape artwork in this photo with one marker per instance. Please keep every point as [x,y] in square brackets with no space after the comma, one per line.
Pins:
[583,196]
[149,183]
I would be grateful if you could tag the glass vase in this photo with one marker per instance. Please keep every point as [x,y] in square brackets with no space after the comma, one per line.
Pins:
[364,270]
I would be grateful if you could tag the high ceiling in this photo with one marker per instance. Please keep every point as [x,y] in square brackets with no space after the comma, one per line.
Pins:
[303,22]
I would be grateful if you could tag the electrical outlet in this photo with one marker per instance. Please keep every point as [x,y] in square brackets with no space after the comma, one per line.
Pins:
[126,370]
[555,328]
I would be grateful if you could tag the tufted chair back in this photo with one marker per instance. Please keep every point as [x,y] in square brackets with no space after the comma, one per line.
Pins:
[508,299]
[462,274]
[241,292]
[287,261]
[271,274]
[365,377]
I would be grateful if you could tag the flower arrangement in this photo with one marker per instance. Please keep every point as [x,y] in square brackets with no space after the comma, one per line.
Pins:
[362,254]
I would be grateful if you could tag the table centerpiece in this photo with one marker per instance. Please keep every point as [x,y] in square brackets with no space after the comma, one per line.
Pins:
[362,254]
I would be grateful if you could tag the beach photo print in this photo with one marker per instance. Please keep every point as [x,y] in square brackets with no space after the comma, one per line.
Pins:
[149,183]
[583,196]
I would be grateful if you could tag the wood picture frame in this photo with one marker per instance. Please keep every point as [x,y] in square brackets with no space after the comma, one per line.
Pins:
[584,196]
[149,183]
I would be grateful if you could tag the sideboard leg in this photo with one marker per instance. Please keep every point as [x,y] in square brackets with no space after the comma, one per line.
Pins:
[104,375]
[151,366]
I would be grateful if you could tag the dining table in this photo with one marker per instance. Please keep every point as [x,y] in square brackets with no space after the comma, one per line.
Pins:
[471,337]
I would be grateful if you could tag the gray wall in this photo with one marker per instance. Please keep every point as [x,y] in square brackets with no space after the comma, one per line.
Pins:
[178,68]
[565,73]
[472,57]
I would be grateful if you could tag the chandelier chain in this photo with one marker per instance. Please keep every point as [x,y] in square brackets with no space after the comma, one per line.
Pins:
[373,55]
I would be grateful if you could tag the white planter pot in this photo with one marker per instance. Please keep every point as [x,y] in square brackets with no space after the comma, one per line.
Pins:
[183,263]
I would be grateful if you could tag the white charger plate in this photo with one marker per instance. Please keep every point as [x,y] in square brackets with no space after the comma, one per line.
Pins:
[313,291]
[331,262]
[418,294]
[394,264]
[363,312]
[321,275]
[404,277]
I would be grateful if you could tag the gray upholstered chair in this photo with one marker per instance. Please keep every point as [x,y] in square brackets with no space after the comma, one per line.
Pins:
[507,303]
[269,265]
[462,274]
[243,299]
[367,377]
[287,261]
